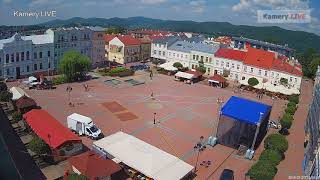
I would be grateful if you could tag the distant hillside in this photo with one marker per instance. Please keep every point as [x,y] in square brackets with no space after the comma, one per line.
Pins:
[298,40]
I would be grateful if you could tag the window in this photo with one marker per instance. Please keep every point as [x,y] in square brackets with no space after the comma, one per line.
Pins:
[232,65]
[251,70]
[207,59]
[181,55]
[49,65]
[290,79]
[217,62]
[243,78]
[197,57]
[245,68]
[259,72]
[163,53]
[40,65]
[35,67]
[265,73]
[174,54]
[210,60]
[208,70]
[17,57]
[8,71]
[227,64]
[22,56]
[238,66]
[28,69]
[7,58]
[192,66]
[12,57]
[201,58]
[194,57]
[170,54]
[49,53]
[222,63]
[35,55]
[40,55]
[28,55]
[154,52]
[186,56]
[160,53]
[295,80]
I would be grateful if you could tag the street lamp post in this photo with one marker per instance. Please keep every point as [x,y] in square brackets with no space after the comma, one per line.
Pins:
[154,118]
[200,147]
[212,140]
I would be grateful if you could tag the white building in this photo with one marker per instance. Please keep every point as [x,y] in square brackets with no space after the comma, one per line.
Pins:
[159,48]
[274,73]
[21,56]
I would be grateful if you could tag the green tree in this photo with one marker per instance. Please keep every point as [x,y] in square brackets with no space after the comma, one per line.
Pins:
[201,67]
[271,156]
[16,116]
[3,86]
[38,146]
[262,170]
[253,81]
[294,98]
[276,142]
[286,120]
[74,65]
[177,65]
[77,177]
[115,30]
[5,96]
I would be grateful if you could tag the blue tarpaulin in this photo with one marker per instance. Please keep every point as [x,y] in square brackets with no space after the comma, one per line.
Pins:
[245,110]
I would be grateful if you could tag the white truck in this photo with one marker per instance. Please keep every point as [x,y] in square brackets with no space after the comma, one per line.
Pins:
[83,125]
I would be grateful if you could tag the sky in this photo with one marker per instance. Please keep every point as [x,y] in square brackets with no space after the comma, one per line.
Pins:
[239,12]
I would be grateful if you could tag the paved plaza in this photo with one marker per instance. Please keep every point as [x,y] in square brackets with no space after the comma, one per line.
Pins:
[182,113]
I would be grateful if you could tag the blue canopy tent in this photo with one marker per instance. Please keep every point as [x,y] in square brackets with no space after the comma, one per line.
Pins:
[242,122]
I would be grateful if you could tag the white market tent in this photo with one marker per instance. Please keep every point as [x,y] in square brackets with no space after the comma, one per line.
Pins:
[17,93]
[184,75]
[143,157]
[168,66]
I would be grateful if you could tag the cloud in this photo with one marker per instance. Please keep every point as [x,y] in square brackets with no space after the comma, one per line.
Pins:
[152,1]
[7,1]
[271,4]
[197,6]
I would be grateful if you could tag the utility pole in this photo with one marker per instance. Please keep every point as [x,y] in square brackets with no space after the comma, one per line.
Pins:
[212,140]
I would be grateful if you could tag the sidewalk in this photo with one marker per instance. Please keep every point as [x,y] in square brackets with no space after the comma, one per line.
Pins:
[292,164]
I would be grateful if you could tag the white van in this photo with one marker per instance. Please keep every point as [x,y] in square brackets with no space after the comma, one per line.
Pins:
[83,125]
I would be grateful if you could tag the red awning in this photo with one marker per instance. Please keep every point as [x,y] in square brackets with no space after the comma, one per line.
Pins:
[49,129]
[92,165]
[217,78]
[195,73]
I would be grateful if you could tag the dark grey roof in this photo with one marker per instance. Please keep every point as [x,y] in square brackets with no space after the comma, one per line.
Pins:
[167,40]
[262,43]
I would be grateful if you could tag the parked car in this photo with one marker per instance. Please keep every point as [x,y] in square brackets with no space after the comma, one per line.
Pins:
[140,67]
[227,174]
[274,124]
[83,125]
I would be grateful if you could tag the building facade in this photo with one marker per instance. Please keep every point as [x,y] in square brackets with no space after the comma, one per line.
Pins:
[21,56]
[98,46]
[72,39]
[311,163]
[124,49]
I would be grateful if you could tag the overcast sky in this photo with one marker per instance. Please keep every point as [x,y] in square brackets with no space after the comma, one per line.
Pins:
[233,11]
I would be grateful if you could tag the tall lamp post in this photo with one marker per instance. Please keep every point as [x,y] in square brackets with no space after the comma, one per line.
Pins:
[250,152]
[200,147]
[212,140]
[154,118]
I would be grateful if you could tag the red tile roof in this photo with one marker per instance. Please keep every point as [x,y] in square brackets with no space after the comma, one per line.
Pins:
[259,58]
[129,40]
[283,66]
[49,129]
[230,54]
[195,73]
[218,78]
[109,37]
[92,165]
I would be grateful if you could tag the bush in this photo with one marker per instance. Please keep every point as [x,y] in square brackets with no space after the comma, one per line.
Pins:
[5,96]
[59,80]
[117,70]
[177,65]
[253,81]
[3,86]
[291,110]
[38,146]
[276,142]
[128,72]
[294,98]
[77,177]
[271,156]
[292,104]
[262,170]
[16,116]
[285,123]
[120,71]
